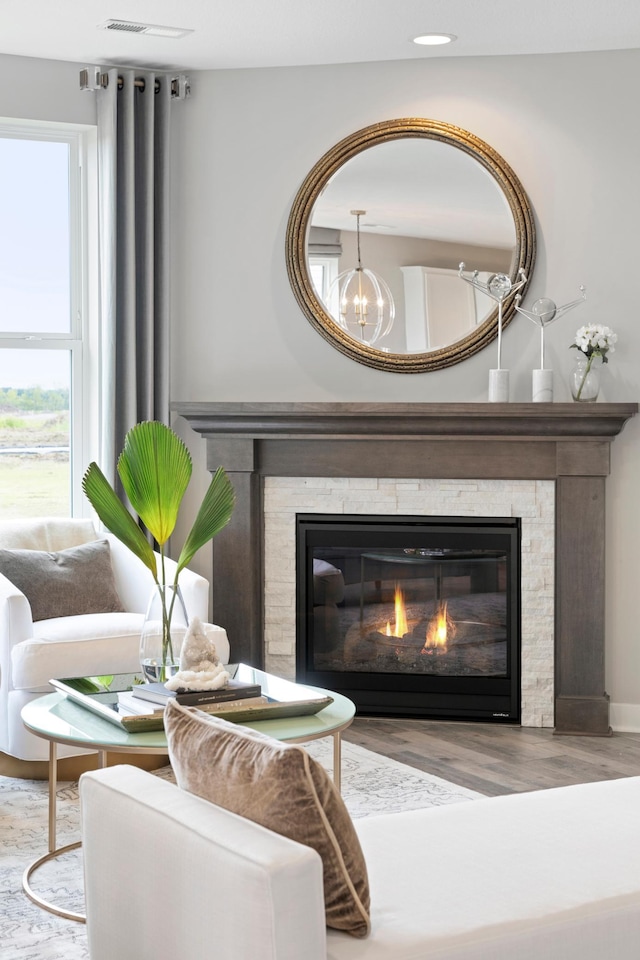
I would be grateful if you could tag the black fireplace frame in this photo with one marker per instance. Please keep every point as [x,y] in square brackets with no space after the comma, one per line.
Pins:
[425,696]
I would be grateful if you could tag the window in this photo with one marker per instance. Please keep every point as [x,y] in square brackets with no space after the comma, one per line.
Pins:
[48,399]
[324,271]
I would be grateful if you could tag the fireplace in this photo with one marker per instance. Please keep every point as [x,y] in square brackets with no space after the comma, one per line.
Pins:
[563,445]
[411,616]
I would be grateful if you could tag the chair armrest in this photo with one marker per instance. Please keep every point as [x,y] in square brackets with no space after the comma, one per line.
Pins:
[16,625]
[168,874]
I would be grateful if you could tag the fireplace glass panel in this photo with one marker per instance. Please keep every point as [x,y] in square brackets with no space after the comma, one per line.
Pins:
[414,605]
[426,609]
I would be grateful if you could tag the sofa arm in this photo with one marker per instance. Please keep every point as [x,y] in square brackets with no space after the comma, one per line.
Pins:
[168,874]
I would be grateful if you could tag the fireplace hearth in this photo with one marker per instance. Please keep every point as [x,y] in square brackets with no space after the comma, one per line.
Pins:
[411,616]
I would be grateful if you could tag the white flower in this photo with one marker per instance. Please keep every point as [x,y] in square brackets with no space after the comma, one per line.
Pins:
[595,339]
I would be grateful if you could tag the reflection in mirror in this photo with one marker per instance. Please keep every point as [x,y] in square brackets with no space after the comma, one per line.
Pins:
[359,300]
[434,196]
[427,207]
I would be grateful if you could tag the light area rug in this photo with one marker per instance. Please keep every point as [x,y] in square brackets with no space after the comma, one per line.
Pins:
[371,784]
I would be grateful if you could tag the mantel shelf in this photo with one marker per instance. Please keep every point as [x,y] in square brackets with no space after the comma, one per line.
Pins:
[417,420]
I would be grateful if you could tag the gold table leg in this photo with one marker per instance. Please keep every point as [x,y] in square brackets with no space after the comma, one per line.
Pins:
[337,759]
[53,852]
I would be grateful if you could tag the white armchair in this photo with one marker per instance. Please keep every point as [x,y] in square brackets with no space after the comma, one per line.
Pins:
[32,653]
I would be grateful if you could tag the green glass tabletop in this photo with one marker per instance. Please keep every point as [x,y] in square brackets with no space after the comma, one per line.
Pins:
[55,717]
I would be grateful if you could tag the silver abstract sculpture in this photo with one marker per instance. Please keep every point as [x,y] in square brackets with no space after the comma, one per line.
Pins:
[498,287]
[544,311]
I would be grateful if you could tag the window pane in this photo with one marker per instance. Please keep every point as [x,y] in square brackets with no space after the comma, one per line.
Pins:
[34,242]
[34,433]
[317,277]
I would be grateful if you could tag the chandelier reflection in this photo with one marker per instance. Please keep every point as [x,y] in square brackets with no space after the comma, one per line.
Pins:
[364,304]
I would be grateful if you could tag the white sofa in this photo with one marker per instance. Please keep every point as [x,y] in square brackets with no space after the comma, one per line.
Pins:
[88,645]
[549,875]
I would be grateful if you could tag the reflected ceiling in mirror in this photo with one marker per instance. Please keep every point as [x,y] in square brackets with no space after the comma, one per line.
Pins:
[433,195]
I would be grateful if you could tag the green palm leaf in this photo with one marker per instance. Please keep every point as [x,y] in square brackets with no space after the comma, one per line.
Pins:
[214,514]
[155,469]
[116,517]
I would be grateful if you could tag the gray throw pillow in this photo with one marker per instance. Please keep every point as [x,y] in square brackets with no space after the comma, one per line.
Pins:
[64,584]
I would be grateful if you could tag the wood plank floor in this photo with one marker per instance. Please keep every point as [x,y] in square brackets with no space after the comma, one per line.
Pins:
[497,759]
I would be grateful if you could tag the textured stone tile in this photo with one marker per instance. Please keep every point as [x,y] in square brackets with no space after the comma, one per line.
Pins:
[533,501]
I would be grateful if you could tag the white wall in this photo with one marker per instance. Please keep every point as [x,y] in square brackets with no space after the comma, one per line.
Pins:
[32,89]
[567,124]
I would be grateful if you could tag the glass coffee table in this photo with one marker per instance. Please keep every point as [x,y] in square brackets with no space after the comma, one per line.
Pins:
[58,719]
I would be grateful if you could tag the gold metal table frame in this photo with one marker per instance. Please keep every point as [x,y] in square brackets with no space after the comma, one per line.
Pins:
[59,720]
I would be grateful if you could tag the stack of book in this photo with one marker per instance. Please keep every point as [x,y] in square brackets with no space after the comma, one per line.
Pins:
[149,698]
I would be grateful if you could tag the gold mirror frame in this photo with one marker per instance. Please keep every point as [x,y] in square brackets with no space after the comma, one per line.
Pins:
[299,222]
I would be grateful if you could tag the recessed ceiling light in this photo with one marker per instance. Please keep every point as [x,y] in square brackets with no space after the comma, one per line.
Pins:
[434,39]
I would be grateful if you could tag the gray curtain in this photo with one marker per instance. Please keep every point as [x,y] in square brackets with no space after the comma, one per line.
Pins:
[133,205]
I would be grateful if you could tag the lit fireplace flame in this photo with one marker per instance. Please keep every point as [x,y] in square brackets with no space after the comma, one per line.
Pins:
[400,627]
[441,629]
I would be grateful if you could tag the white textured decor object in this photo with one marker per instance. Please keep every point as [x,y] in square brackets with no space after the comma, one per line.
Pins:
[200,667]
[498,286]
[542,313]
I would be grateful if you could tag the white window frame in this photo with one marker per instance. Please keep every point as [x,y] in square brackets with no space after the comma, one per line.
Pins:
[329,266]
[83,339]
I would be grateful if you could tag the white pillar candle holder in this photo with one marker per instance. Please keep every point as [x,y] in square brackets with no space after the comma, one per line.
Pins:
[498,286]
[544,312]
[498,386]
[542,386]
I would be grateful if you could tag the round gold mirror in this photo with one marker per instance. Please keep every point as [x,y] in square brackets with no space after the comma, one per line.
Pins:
[408,201]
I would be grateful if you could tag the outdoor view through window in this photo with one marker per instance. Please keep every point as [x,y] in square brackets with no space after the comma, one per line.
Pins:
[39,323]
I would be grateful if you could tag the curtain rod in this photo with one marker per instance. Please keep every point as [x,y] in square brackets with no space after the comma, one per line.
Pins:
[91,78]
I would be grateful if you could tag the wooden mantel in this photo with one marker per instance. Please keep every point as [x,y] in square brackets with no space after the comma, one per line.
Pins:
[420,420]
[568,443]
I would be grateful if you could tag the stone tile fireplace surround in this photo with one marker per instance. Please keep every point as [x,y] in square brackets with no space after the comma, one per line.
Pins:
[425,459]
[532,500]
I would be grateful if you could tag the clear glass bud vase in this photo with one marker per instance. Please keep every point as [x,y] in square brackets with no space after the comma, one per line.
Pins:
[585,378]
[163,632]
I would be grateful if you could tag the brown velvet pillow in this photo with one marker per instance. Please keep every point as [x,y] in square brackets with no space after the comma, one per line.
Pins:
[281,787]
[64,584]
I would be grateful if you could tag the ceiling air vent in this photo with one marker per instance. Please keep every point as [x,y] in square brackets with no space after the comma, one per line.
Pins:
[150,29]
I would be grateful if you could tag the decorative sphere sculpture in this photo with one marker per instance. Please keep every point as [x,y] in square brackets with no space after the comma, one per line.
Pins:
[499,286]
[544,309]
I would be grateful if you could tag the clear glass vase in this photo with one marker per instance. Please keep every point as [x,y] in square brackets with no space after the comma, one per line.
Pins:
[585,378]
[163,632]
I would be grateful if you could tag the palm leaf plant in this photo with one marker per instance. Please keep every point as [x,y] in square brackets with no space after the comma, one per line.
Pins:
[155,469]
